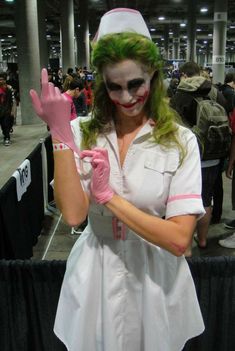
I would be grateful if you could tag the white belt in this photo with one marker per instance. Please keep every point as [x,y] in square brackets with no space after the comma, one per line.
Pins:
[110,227]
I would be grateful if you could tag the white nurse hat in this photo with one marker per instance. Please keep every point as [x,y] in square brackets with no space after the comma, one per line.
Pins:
[122,20]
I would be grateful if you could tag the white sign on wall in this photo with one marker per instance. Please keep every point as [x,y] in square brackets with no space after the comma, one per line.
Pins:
[218,59]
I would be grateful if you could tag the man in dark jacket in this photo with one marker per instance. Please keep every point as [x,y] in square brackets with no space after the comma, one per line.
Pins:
[192,86]
[6,113]
[228,91]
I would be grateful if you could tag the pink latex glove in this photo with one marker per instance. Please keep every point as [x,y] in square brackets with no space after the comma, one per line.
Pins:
[100,188]
[54,109]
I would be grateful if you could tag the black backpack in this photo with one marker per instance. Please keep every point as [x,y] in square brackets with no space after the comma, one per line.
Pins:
[212,128]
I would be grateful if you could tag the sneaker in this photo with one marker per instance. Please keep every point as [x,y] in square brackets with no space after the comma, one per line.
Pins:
[229,242]
[230,224]
[7,142]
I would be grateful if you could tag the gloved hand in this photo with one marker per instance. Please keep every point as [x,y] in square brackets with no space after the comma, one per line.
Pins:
[100,188]
[54,109]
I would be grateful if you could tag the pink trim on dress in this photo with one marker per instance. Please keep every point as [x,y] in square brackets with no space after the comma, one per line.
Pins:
[119,229]
[181,197]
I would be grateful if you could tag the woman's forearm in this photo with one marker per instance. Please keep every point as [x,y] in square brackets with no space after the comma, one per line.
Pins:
[173,235]
[70,198]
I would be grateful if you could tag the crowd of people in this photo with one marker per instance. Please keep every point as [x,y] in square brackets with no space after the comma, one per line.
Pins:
[187,84]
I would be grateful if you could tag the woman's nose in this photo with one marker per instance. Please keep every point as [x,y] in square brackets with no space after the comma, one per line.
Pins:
[125,96]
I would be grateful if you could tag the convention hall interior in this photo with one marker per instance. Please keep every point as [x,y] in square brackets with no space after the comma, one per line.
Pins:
[35,241]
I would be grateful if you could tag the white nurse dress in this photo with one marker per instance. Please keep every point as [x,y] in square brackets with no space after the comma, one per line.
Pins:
[121,293]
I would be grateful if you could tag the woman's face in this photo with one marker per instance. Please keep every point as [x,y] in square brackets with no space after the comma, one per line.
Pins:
[128,86]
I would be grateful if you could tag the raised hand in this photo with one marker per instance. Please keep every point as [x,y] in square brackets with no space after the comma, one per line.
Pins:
[54,109]
[100,188]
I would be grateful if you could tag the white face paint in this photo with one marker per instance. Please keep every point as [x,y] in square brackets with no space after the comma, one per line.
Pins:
[128,85]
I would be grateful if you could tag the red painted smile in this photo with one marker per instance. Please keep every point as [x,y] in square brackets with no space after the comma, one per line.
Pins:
[141,100]
[128,105]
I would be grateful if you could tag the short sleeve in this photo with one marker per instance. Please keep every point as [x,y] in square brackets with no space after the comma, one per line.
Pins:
[185,188]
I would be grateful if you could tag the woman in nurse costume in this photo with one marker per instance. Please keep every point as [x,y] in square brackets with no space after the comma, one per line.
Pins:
[135,172]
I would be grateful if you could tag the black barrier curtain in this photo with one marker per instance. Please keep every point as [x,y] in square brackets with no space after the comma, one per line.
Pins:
[21,222]
[29,292]
[214,278]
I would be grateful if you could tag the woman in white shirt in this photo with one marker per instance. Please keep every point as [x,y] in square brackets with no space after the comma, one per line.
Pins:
[127,285]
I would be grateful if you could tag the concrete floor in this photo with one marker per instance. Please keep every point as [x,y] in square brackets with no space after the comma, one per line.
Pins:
[56,240]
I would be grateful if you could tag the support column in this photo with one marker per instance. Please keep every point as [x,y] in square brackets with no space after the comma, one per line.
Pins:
[1,56]
[191,31]
[219,40]
[31,43]
[176,42]
[166,42]
[208,52]
[67,34]
[83,42]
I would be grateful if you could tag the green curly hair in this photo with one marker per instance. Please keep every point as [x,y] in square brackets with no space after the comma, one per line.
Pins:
[111,49]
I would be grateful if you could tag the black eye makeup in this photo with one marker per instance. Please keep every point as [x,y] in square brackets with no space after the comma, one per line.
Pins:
[135,83]
[113,86]
[131,85]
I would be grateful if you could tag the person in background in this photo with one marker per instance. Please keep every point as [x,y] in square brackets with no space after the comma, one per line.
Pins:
[228,91]
[80,102]
[88,94]
[75,89]
[193,85]
[80,73]
[136,173]
[229,242]
[6,109]
[172,87]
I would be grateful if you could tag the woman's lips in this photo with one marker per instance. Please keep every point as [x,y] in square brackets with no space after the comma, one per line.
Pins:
[129,105]
[141,100]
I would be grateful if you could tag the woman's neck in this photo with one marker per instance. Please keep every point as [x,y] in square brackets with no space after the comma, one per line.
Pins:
[128,125]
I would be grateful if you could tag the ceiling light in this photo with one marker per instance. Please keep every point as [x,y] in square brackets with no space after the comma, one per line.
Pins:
[203,10]
[182,24]
[152,30]
[161,18]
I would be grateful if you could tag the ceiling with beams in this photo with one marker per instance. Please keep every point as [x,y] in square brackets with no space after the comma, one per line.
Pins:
[173,11]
